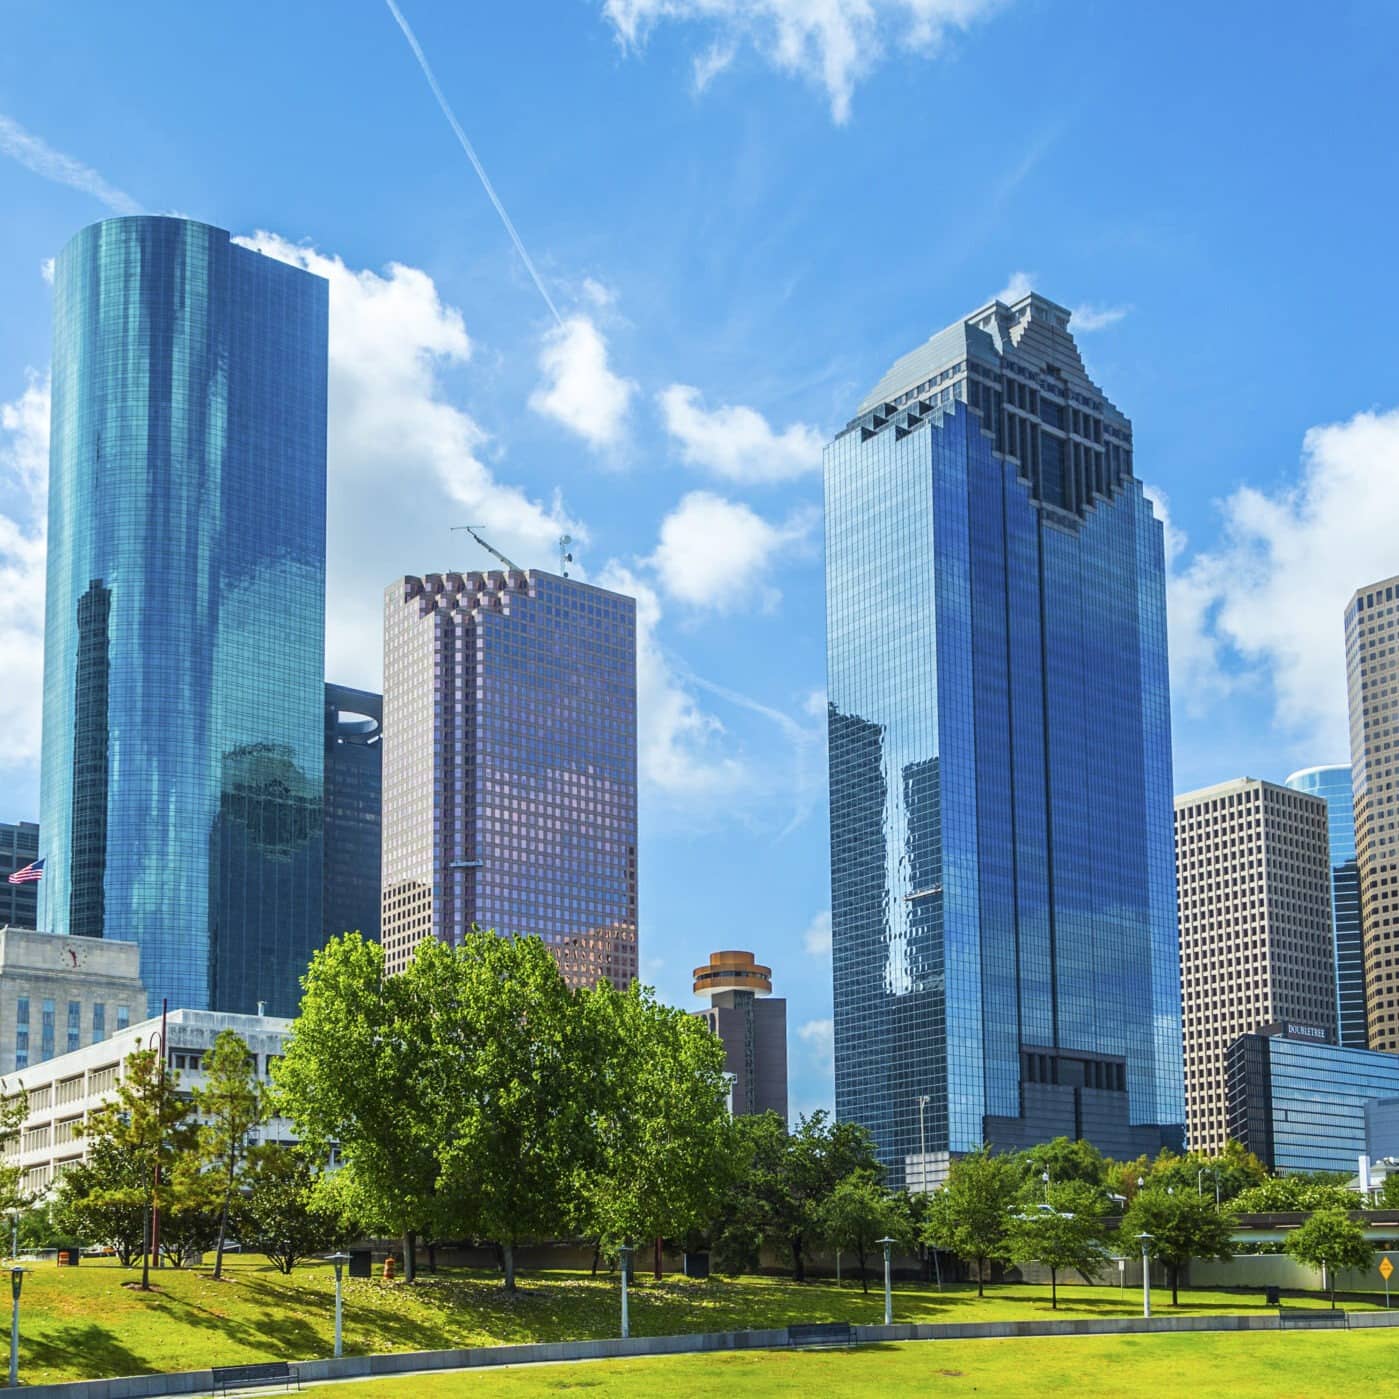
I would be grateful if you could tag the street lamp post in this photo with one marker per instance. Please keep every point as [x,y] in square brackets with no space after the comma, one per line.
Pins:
[339,1259]
[1200,1182]
[1145,1240]
[624,1250]
[16,1282]
[1044,1176]
[888,1282]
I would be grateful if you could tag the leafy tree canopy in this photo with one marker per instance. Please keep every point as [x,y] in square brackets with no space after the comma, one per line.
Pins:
[1330,1239]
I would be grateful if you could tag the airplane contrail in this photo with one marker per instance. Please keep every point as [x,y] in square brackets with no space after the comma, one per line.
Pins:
[473,157]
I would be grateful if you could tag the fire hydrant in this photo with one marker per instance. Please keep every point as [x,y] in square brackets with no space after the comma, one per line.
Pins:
[388,1268]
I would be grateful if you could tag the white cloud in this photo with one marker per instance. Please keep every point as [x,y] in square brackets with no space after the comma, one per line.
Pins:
[46,270]
[716,554]
[1086,318]
[819,1037]
[1020,284]
[580,391]
[817,937]
[1267,602]
[832,43]
[685,755]
[393,428]
[737,442]
[37,155]
[24,462]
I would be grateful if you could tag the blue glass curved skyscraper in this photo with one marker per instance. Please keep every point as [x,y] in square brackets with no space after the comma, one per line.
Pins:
[1333,785]
[184,638]
[1003,876]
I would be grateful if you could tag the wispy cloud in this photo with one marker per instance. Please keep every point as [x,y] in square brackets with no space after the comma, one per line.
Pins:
[738,442]
[37,155]
[1020,284]
[1088,318]
[831,43]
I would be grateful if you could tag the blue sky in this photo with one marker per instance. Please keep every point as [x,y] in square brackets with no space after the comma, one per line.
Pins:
[743,213]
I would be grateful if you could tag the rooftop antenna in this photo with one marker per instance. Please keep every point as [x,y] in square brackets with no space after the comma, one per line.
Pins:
[565,558]
[489,548]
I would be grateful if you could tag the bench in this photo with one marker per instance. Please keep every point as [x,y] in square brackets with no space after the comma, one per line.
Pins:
[266,1372]
[1309,1316]
[821,1333]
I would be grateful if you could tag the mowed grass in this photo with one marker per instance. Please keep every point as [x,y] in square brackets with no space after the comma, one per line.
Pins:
[88,1322]
[1260,1365]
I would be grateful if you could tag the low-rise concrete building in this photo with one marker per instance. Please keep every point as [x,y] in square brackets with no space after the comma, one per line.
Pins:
[64,1091]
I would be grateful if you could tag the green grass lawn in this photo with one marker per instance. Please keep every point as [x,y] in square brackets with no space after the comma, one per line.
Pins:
[1262,1365]
[83,1323]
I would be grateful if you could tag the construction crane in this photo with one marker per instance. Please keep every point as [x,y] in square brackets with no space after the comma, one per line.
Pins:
[489,548]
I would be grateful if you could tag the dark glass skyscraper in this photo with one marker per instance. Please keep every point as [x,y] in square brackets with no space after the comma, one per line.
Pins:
[184,641]
[1003,901]
[510,766]
[354,725]
[1333,785]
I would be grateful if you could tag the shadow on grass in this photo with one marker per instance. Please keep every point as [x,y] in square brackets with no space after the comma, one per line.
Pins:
[82,1350]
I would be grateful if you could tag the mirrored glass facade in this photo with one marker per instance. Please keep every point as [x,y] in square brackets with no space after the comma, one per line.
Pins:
[19,846]
[1299,1105]
[353,792]
[1003,901]
[184,643]
[1333,785]
[510,766]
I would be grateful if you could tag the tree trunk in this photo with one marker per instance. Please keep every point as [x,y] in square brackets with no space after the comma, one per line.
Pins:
[980,1277]
[1175,1284]
[432,1256]
[864,1276]
[597,1251]
[798,1262]
[223,1221]
[660,1268]
[146,1255]
[509,1251]
[410,1240]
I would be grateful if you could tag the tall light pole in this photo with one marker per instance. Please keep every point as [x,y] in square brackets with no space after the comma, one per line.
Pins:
[1044,1176]
[888,1281]
[16,1282]
[624,1250]
[1145,1240]
[339,1259]
[1200,1182]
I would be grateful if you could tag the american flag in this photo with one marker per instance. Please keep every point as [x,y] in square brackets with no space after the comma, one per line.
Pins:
[30,874]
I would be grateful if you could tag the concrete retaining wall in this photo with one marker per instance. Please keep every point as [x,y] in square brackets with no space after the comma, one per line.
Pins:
[404,1362]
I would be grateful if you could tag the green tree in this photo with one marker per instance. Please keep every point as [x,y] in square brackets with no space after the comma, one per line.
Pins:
[657,1159]
[190,1211]
[1064,1159]
[1389,1191]
[231,1105]
[147,1120]
[511,1085]
[1233,1170]
[356,1071]
[1182,1225]
[101,1200]
[1330,1239]
[14,1108]
[1066,1231]
[970,1215]
[281,1211]
[857,1214]
[1296,1194]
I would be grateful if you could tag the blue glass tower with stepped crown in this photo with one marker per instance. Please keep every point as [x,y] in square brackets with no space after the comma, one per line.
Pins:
[181,788]
[1005,951]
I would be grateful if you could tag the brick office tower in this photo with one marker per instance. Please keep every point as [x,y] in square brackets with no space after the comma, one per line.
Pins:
[754,1031]
[1372,681]
[1253,876]
[509,767]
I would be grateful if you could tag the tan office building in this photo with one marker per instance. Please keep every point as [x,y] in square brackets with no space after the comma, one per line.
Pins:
[1253,882]
[1372,680]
